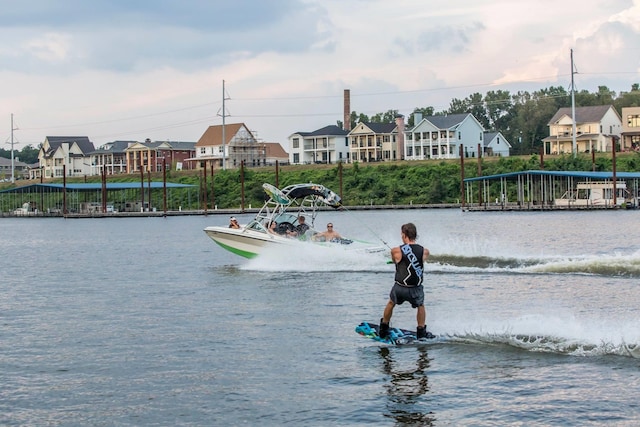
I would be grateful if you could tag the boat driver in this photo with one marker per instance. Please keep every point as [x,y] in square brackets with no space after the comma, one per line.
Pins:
[300,229]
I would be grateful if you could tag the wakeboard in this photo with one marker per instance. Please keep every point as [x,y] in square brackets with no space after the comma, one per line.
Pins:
[396,336]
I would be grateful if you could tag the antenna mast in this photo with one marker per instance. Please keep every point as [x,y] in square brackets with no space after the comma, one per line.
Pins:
[574,145]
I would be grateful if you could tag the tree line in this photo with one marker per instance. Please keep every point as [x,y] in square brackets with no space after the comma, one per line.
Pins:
[522,117]
[28,154]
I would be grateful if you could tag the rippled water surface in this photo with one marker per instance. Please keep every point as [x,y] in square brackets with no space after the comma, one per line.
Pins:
[145,321]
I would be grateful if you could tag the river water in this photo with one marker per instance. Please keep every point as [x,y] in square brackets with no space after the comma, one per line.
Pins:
[145,321]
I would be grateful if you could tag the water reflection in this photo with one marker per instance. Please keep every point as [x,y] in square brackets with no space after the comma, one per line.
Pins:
[405,386]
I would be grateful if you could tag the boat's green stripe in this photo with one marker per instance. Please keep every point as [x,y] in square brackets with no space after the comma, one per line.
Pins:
[236,251]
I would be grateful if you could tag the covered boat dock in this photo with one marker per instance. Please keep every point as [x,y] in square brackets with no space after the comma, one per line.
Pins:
[552,190]
[92,199]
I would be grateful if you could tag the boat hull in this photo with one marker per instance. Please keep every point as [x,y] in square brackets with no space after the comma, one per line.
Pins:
[243,242]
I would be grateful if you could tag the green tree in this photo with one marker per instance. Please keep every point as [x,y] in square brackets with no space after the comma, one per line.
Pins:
[425,111]
[387,117]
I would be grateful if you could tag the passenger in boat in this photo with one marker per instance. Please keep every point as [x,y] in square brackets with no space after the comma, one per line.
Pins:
[327,236]
[300,229]
[233,222]
[272,227]
[409,260]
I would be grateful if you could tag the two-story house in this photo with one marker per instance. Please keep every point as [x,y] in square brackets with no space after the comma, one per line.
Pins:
[630,140]
[110,157]
[598,128]
[376,142]
[239,145]
[326,145]
[440,137]
[152,154]
[70,153]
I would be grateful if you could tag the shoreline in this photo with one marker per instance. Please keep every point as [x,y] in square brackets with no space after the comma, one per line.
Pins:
[507,207]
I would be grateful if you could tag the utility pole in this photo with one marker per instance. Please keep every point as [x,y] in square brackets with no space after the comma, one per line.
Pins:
[574,144]
[13,163]
[224,135]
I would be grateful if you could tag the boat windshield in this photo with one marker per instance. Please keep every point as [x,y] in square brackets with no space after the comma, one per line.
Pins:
[256,225]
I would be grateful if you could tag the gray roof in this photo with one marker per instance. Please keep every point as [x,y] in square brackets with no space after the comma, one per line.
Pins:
[83,142]
[113,147]
[7,162]
[489,136]
[121,146]
[380,127]
[447,122]
[591,114]
[331,130]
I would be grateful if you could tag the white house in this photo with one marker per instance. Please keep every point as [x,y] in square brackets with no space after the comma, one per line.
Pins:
[376,142]
[70,153]
[440,137]
[326,145]
[597,129]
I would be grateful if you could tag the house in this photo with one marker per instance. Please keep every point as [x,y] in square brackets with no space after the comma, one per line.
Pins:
[151,155]
[237,145]
[630,136]
[440,137]
[111,157]
[20,169]
[326,145]
[597,129]
[65,154]
[275,153]
[495,144]
[376,142]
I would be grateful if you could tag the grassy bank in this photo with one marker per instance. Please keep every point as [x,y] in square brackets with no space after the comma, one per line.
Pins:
[388,183]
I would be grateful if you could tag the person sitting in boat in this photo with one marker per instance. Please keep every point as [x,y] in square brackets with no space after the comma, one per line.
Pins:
[233,222]
[327,236]
[300,229]
[272,227]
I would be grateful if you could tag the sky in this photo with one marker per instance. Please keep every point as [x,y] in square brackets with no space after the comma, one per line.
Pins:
[132,69]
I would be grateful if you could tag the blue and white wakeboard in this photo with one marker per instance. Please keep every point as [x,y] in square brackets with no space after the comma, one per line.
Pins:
[396,336]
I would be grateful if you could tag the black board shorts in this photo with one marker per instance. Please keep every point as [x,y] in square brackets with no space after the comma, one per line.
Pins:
[414,295]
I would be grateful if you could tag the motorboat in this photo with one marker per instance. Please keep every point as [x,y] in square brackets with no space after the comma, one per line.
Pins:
[277,223]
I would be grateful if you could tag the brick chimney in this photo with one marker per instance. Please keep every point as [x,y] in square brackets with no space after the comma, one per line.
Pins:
[347,110]
[400,128]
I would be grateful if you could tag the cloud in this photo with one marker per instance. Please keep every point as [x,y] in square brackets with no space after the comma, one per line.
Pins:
[447,39]
[51,47]
[128,36]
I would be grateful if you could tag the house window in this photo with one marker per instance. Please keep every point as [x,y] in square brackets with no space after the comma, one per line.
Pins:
[203,150]
[296,158]
[295,143]
[633,121]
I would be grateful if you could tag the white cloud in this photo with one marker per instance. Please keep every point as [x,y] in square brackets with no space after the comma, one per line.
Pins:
[50,47]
